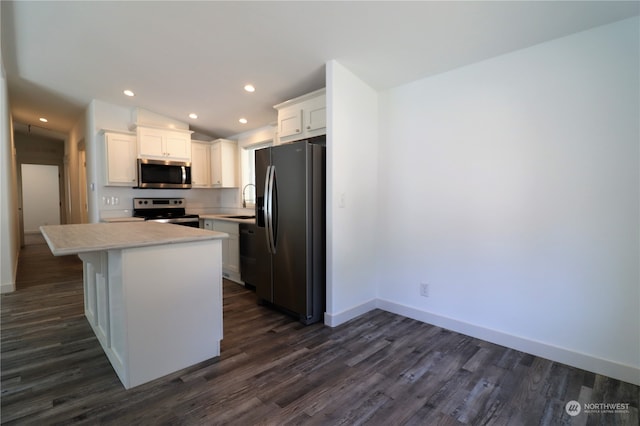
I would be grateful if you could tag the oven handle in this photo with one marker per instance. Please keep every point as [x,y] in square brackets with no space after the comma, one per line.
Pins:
[175,220]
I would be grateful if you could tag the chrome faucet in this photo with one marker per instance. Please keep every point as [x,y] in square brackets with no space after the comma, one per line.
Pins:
[244,201]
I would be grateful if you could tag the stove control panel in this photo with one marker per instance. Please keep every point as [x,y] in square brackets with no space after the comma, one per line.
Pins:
[158,203]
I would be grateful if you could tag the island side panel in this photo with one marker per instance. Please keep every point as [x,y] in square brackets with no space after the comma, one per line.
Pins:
[103,306]
[172,297]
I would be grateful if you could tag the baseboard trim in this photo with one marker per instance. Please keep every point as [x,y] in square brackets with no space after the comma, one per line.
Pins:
[334,320]
[10,287]
[7,288]
[566,356]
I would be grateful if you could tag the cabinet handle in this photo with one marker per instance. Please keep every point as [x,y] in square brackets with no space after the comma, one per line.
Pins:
[297,130]
[308,127]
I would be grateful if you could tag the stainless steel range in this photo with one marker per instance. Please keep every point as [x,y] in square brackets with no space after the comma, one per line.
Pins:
[165,210]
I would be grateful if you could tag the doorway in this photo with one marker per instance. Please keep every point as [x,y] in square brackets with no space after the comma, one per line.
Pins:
[40,160]
[40,197]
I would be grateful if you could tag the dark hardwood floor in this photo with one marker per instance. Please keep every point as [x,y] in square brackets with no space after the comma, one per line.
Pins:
[378,369]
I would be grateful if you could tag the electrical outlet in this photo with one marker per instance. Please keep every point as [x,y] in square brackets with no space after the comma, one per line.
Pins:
[424,289]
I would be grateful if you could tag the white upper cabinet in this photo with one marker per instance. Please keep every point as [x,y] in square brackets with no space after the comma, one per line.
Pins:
[302,117]
[164,144]
[200,164]
[289,122]
[223,164]
[213,164]
[120,159]
[315,115]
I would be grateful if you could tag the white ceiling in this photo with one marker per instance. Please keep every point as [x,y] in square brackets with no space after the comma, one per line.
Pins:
[181,57]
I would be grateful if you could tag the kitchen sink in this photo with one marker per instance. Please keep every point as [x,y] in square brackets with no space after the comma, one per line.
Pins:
[240,217]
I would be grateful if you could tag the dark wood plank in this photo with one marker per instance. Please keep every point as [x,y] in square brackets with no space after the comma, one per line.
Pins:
[379,368]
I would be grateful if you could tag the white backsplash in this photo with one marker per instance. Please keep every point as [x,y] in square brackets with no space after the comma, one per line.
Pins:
[118,201]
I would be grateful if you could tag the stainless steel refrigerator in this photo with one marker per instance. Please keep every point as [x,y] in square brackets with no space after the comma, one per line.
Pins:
[290,214]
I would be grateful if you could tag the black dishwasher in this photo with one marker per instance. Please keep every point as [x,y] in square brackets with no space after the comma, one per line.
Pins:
[253,247]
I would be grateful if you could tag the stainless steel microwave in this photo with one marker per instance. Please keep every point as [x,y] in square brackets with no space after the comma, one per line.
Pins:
[164,174]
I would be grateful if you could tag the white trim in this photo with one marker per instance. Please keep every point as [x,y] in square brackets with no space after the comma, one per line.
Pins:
[334,320]
[11,286]
[616,370]
[7,288]
[301,98]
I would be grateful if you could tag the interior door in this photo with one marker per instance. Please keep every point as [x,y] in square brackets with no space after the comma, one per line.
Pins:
[40,196]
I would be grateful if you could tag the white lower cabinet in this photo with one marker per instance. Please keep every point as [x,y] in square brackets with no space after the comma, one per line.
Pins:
[230,247]
[156,309]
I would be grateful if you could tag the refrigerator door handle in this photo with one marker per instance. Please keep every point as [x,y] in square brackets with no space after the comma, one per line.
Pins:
[268,209]
[267,206]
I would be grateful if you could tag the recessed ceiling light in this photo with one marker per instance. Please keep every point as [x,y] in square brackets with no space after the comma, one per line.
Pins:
[243,120]
[249,88]
[193,115]
[129,93]
[44,120]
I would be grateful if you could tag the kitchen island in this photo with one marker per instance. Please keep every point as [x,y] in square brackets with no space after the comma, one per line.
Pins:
[152,293]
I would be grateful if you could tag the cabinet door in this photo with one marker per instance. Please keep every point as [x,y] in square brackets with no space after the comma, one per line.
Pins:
[230,247]
[96,287]
[315,118]
[216,164]
[289,122]
[200,165]
[233,254]
[150,143]
[228,164]
[223,164]
[121,159]
[104,315]
[178,146]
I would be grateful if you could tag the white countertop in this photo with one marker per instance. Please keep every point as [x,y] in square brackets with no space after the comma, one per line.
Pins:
[123,219]
[88,237]
[227,218]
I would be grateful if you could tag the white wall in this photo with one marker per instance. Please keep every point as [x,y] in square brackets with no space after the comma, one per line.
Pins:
[9,227]
[352,195]
[511,187]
